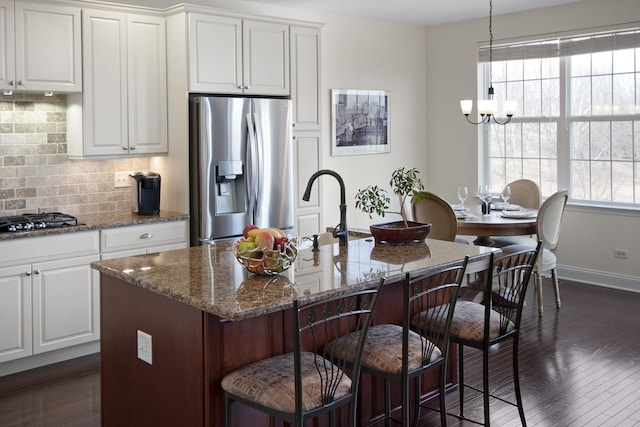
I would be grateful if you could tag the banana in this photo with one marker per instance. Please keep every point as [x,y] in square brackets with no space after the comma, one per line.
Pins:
[275,232]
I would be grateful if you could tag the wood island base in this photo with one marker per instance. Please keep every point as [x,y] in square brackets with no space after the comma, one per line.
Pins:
[193,350]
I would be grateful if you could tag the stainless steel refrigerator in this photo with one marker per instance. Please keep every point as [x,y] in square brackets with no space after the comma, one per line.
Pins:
[241,165]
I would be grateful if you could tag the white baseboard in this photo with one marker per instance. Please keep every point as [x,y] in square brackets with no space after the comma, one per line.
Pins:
[38,360]
[600,278]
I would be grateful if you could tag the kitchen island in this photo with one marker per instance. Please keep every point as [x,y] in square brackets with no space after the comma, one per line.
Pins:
[206,317]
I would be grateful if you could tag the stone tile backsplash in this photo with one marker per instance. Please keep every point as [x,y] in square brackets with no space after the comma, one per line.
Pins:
[35,173]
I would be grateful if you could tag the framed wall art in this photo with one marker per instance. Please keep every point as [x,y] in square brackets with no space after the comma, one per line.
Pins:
[359,122]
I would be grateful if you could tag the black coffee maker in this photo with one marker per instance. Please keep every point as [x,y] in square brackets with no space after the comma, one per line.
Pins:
[145,193]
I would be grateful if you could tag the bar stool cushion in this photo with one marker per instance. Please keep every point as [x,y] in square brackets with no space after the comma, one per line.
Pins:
[270,382]
[383,349]
[468,322]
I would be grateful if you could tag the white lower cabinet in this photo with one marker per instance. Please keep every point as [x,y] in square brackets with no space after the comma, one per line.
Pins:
[48,293]
[66,303]
[15,313]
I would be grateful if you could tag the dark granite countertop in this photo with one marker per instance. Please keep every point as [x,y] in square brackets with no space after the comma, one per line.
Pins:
[100,221]
[209,277]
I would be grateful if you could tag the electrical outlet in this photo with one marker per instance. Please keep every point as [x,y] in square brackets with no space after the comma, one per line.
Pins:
[121,179]
[621,253]
[144,347]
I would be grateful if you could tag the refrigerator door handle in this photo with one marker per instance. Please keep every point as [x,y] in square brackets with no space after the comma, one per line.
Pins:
[253,163]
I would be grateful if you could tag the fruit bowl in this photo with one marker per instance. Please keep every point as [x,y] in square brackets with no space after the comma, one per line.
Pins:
[266,262]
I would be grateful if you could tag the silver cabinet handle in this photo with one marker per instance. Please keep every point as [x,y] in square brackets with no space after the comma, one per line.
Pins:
[36,271]
[247,87]
[146,236]
[125,148]
[11,83]
[27,273]
[19,82]
[132,148]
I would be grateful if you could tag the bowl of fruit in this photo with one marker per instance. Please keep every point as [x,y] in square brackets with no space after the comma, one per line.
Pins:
[265,251]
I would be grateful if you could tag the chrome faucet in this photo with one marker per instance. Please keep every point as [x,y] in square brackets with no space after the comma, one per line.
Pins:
[340,231]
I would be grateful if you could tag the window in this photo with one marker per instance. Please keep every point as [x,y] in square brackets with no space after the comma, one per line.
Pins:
[578,120]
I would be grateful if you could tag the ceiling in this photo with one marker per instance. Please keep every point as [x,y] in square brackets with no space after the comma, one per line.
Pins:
[424,12]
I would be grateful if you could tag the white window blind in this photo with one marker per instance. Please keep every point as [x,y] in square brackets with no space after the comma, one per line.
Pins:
[563,46]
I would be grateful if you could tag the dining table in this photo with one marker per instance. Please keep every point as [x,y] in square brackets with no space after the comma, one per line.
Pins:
[499,222]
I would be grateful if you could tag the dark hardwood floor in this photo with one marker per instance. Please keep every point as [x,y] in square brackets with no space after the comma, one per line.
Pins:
[580,366]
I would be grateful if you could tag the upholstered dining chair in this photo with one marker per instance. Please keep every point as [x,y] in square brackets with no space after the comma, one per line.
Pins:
[397,353]
[548,226]
[435,210]
[308,381]
[483,325]
[525,193]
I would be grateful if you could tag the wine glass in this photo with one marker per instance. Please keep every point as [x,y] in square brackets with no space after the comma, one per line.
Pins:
[506,193]
[463,193]
[485,196]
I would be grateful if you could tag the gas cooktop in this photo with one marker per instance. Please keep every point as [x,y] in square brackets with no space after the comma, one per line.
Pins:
[29,222]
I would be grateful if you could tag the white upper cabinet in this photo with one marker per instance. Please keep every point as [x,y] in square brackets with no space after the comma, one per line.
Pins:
[41,47]
[123,109]
[147,84]
[265,52]
[305,77]
[238,56]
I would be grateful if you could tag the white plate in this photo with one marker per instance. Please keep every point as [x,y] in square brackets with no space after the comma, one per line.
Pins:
[459,208]
[506,206]
[464,215]
[518,214]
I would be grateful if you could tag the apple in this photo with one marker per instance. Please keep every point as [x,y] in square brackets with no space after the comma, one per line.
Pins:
[265,240]
[280,243]
[247,228]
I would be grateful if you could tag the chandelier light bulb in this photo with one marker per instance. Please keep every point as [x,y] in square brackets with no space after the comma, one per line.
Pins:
[466,105]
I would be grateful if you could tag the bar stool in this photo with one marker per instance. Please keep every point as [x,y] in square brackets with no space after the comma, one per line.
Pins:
[398,353]
[308,381]
[482,326]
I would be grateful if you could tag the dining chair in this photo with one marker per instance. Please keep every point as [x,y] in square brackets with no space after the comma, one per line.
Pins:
[436,211]
[548,226]
[525,193]
[397,353]
[484,325]
[309,381]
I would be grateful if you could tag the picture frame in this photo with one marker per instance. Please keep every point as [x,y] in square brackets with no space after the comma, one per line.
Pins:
[359,122]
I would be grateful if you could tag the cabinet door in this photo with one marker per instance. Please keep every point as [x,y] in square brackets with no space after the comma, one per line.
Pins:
[147,84]
[215,54]
[66,308]
[305,77]
[105,82]
[307,155]
[48,47]
[7,45]
[15,312]
[265,58]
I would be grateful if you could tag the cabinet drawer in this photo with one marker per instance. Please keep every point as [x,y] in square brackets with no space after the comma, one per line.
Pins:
[48,248]
[139,236]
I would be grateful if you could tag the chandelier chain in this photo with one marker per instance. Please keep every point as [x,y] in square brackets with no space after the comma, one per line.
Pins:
[490,42]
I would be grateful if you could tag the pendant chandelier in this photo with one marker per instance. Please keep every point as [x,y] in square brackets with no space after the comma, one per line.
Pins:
[487,107]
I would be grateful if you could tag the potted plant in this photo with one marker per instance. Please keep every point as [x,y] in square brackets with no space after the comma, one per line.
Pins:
[406,184]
